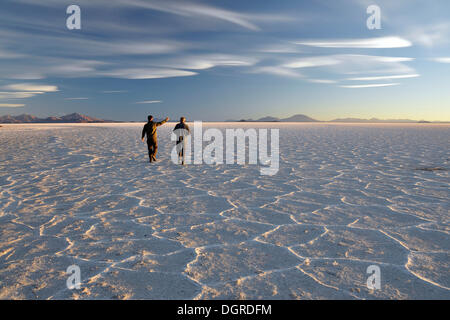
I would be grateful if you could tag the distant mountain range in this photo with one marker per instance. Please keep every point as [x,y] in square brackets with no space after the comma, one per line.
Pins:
[70,118]
[295,118]
[303,118]
[374,120]
[80,118]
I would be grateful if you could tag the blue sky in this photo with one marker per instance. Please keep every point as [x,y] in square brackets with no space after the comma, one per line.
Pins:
[217,60]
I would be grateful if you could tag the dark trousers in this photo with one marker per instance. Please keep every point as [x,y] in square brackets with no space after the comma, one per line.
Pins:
[152,149]
[181,145]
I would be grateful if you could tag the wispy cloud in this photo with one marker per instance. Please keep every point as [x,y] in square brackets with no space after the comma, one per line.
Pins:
[149,73]
[280,48]
[368,64]
[43,67]
[181,8]
[368,43]
[9,55]
[18,95]
[405,76]
[277,70]
[149,102]
[206,61]
[370,85]
[25,90]
[310,62]
[104,48]
[11,105]
[31,87]
[114,91]
[322,81]
[353,64]
[334,67]
[197,10]
[441,59]
[80,98]
[430,35]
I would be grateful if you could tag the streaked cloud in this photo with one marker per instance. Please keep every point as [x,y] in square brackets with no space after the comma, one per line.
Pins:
[149,102]
[25,90]
[199,10]
[391,59]
[405,76]
[77,98]
[430,35]
[4,54]
[368,43]
[25,76]
[103,48]
[43,67]
[181,8]
[206,61]
[11,105]
[18,95]
[276,70]
[345,64]
[149,73]
[360,86]
[280,48]
[331,68]
[441,59]
[309,62]
[369,64]
[114,91]
[322,81]
[31,87]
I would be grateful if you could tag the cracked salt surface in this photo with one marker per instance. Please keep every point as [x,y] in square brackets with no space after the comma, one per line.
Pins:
[345,197]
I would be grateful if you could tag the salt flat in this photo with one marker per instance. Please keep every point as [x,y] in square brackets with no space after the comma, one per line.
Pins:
[346,196]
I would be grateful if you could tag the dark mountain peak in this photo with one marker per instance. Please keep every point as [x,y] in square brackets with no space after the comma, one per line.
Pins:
[76,117]
[294,118]
[299,118]
[269,119]
[26,117]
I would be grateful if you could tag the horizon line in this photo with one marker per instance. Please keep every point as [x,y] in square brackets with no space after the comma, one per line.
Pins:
[347,119]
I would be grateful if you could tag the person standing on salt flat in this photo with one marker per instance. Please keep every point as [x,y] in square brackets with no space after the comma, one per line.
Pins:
[181,130]
[152,139]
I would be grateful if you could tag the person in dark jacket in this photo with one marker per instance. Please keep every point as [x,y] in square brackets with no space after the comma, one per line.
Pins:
[181,130]
[152,141]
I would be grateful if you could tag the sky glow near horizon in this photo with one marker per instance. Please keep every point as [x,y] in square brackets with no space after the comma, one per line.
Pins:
[218,60]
